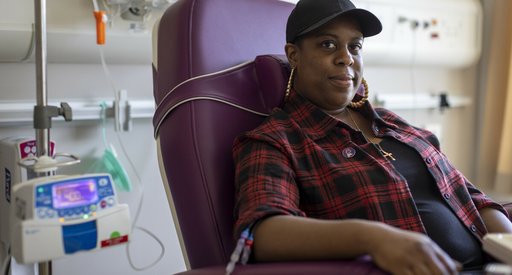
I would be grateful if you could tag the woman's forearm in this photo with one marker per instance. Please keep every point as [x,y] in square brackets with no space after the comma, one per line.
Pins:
[495,221]
[289,238]
[281,238]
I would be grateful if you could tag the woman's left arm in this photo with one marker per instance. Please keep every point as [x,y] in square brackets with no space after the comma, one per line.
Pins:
[495,221]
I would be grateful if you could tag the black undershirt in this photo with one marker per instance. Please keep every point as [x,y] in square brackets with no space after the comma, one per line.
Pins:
[441,223]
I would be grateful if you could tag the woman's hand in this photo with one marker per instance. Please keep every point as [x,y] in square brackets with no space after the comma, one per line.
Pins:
[404,252]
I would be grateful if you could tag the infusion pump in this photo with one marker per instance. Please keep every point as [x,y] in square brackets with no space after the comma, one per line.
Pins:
[60,215]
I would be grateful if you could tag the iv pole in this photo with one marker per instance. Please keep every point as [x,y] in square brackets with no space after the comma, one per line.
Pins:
[42,112]
[42,135]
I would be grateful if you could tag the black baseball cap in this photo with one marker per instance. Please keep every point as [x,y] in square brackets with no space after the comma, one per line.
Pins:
[309,15]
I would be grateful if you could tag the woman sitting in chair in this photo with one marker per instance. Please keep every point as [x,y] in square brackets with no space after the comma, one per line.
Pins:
[330,177]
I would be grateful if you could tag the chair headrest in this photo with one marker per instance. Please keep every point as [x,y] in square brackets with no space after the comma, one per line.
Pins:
[215,35]
[272,72]
[256,87]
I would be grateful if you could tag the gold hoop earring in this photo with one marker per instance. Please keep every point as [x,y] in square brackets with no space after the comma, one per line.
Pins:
[289,85]
[363,100]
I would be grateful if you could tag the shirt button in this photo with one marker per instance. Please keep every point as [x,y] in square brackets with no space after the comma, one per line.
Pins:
[349,152]
[447,196]
[428,160]
[473,228]
[397,136]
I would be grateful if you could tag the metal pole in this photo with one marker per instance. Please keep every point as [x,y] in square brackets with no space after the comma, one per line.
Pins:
[45,268]
[42,135]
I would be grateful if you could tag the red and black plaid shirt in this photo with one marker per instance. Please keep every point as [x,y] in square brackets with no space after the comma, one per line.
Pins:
[303,162]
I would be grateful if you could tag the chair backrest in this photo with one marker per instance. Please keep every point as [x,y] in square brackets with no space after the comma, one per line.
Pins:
[198,37]
[209,88]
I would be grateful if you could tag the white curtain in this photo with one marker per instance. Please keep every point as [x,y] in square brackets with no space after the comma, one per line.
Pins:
[494,150]
[503,180]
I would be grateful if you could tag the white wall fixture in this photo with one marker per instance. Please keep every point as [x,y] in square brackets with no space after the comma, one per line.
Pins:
[410,101]
[16,112]
[420,32]
[71,30]
[444,33]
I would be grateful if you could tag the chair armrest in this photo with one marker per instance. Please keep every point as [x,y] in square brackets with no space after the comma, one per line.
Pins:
[363,265]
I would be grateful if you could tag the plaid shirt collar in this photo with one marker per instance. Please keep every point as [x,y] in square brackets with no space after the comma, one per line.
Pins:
[316,123]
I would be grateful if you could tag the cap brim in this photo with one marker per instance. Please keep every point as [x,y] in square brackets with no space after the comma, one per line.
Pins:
[370,24]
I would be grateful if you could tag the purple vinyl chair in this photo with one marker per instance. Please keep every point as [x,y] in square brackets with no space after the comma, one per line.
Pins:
[209,88]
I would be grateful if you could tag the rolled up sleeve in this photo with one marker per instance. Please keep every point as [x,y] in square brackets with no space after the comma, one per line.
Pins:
[483,201]
[264,182]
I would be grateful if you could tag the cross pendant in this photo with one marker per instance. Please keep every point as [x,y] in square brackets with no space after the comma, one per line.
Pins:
[388,155]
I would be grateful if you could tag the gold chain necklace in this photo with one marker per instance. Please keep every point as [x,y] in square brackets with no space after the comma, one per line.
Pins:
[384,153]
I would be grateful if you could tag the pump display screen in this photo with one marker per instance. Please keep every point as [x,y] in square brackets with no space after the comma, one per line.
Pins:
[76,193]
